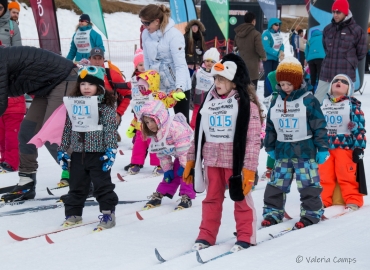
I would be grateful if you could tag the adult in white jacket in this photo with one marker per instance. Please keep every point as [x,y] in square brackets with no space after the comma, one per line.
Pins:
[164,51]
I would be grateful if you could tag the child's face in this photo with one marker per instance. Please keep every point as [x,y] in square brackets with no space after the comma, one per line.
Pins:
[143,87]
[88,89]
[339,86]
[208,64]
[287,87]
[150,123]
[223,85]
[140,67]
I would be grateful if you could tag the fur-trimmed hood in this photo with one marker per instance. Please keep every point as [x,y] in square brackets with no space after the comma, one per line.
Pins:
[195,22]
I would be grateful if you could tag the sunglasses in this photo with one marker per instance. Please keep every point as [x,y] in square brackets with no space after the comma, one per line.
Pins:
[83,21]
[147,23]
[276,24]
[336,12]
[341,80]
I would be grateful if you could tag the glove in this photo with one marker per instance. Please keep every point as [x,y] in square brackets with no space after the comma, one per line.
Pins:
[199,52]
[357,155]
[168,176]
[188,175]
[110,157]
[281,55]
[63,159]
[321,157]
[248,180]
[84,62]
[178,95]
[130,133]
[180,171]
[271,154]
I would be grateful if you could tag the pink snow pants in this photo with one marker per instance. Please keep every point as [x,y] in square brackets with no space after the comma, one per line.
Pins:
[139,151]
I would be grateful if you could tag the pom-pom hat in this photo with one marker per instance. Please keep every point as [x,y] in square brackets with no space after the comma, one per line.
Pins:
[290,70]
[138,57]
[211,54]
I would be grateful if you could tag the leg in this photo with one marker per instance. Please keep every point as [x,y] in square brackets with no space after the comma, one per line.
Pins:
[277,188]
[183,105]
[194,116]
[212,204]
[321,90]
[103,186]
[12,124]
[346,176]
[139,149]
[267,67]
[185,189]
[308,183]
[328,179]
[313,71]
[318,63]
[169,189]
[2,139]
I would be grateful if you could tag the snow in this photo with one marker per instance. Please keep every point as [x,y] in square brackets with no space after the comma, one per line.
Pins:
[130,245]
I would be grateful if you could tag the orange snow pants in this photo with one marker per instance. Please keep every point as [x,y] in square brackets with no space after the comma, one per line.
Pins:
[340,168]
[244,212]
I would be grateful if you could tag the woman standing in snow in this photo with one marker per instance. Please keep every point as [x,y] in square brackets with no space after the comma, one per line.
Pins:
[84,40]
[164,51]
[194,44]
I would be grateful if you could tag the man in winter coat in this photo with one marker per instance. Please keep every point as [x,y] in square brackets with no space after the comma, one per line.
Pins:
[272,42]
[249,44]
[345,45]
[47,76]
[14,9]
[9,31]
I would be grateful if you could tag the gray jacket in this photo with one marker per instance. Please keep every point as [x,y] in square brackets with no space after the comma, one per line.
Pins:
[5,32]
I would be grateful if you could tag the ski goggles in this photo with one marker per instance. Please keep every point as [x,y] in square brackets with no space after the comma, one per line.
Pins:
[341,80]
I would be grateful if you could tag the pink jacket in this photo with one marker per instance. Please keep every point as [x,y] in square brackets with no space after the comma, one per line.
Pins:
[221,154]
[179,135]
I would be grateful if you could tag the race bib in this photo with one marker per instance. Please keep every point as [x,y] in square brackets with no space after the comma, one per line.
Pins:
[204,81]
[278,41]
[137,103]
[337,116]
[82,41]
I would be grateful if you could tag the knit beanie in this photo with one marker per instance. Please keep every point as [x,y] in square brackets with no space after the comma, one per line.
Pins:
[5,5]
[91,74]
[212,54]
[342,6]
[138,57]
[14,5]
[290,70]
[85,17]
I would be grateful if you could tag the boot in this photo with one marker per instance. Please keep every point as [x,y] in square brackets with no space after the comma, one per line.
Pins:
[268,221]
[107,220]
[239,245]
[64,179]
[22,192]
[127,167]
[303,222]
[200,244]
[158,170]
[185,203]
[134,169]
[6,168]
[72,220]
[155,201]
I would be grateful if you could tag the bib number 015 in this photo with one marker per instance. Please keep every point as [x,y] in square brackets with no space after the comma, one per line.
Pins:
[220,120]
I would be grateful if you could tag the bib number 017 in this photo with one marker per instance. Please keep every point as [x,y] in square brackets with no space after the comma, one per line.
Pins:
[289,123]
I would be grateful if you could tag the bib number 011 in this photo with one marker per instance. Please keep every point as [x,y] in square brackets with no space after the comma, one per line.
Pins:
[81,110]
[220,120]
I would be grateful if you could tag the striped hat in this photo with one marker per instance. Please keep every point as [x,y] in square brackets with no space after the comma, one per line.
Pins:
[290,70]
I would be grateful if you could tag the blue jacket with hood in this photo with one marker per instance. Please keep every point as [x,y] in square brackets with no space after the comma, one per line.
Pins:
[314,46]
[268,41]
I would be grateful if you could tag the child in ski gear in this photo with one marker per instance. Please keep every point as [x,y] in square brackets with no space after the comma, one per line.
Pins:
[202,82]
[347,141]
[296,138]
[147,83]
[227,140]
[91,131]
[10,123]
[171,136]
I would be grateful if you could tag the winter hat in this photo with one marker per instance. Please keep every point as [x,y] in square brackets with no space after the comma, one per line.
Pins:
[212,54]
[14,5]
[91,74]
[152,78]
[224,69]
[351,85]
[5,5]
[85,17]
[290,70]
[342,6]
[138,57]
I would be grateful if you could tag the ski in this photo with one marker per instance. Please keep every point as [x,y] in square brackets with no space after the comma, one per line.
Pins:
[281,233]
[50,193]
[160,258]
[16,203]
[7,189]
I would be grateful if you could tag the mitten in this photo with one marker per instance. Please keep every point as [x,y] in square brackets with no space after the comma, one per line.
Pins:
[236,188]
[188,175]
[271,154]
[168,176]
[178,96]
[321,157]
[357,155]
[130,133]
[199,52]
[110,157]
[63,159]
[180,171]
[248,180]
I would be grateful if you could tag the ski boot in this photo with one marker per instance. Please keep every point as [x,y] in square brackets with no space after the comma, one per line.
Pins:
[155,201]
[6,168]
[200,244]
[268,221]
[107,220]
[185,203]
[64,179]
[303,222]
[127,167]
[239,245]
[134,169]
[22,192]
[72,220]
[158,171]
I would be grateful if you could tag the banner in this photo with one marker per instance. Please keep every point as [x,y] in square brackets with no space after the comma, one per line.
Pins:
[220,11]
[182,11]
[269,8]
[94,10]
[46,24]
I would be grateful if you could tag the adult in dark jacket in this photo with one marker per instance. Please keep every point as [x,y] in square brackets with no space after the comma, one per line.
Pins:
[47,76]
[195,46]
[248,43]
[345,45]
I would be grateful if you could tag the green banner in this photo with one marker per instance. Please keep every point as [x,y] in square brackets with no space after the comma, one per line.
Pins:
[94,10]
[220,11]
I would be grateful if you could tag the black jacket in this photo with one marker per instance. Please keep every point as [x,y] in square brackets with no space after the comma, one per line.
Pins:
[29,70]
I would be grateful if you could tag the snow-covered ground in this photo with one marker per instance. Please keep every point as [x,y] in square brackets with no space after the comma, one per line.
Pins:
[130,245]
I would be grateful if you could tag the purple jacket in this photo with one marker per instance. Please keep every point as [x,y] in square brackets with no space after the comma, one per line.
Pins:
[345,45]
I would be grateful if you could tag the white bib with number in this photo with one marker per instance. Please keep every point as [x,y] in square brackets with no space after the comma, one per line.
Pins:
[138,101]
[278,41]
[219,119]
[82,41]
[292,125]
[204,81]
[83,112]
[337,116]
[134,87]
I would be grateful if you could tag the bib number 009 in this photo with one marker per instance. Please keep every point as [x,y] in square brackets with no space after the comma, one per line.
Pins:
[289,123]
[81,110]
[220,120]
[333,119]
